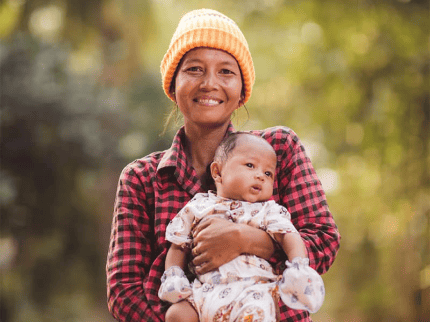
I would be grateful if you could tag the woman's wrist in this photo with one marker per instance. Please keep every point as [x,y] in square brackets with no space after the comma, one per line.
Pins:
[243,242]
[255,241]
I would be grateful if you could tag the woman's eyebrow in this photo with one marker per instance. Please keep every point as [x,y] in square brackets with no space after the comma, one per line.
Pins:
[192,60]
[198,60]
[230,65]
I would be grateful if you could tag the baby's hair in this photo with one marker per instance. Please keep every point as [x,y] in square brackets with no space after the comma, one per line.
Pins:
[228,144]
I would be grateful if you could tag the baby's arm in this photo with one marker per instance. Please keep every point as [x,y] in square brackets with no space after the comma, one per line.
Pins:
[292,244]
[176,256]
[301,287]
[179,310]
[174,284]
[279,226]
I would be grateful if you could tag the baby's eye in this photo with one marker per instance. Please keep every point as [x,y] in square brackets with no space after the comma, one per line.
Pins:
[269,174]
[250,165]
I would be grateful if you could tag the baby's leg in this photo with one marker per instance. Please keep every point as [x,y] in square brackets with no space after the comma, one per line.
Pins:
[256,303]
[181,312]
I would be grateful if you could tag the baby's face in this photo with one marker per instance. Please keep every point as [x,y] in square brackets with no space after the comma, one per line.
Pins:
[249,171]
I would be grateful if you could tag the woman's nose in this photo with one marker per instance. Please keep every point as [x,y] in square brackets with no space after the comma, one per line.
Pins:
[209,81]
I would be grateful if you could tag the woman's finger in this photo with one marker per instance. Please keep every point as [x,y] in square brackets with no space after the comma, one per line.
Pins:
[199,259]
[200,227]
[204,268]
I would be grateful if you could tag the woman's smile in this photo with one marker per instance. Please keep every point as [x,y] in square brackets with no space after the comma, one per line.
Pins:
[208,101]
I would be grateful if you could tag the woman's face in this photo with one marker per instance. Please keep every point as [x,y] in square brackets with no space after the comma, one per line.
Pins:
[208,87]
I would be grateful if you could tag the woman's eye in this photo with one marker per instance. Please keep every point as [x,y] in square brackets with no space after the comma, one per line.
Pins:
[226,71]
[194,69]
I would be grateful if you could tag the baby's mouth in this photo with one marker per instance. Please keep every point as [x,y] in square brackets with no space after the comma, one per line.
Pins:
[256,188]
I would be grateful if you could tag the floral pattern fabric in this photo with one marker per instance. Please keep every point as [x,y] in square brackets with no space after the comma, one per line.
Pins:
[243,287]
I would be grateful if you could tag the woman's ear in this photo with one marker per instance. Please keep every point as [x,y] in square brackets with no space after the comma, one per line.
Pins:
[172,88]
[241,101]
[216,171]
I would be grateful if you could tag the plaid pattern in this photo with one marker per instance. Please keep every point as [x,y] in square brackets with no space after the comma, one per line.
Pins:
[152,190]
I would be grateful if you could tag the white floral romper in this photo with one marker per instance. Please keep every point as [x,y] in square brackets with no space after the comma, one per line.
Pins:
[244,289]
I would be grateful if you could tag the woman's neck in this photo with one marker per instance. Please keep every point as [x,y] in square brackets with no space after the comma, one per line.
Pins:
[201,145]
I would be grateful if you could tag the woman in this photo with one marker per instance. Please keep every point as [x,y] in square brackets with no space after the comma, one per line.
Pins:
[208,72]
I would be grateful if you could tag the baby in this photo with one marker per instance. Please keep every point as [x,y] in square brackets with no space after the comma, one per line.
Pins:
[246,288]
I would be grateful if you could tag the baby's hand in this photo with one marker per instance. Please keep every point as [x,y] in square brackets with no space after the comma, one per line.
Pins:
[301,287]
[174,285]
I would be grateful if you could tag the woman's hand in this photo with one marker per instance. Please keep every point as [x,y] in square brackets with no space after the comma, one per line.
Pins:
[218,241]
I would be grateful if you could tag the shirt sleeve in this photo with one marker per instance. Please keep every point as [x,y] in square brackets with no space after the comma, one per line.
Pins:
[301,192]
[129,255]
[278,220]
[179,229]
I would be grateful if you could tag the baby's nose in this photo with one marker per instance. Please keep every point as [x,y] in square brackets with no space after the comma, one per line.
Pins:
[259,175]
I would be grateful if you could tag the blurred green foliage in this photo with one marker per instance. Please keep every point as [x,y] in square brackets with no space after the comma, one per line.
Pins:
[81,97]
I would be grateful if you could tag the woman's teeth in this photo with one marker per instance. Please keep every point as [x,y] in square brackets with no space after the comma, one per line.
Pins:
[209,102]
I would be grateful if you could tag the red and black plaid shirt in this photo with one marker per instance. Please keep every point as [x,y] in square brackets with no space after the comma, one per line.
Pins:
[152,190]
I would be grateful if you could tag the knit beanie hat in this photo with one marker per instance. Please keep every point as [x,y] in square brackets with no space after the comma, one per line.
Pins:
[207,28]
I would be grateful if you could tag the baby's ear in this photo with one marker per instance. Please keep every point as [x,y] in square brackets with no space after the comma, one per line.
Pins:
[216,171]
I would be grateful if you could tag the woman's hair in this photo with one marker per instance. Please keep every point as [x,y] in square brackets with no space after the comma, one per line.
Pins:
[212,29]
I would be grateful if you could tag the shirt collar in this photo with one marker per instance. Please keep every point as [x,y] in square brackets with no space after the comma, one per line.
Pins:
[176,152]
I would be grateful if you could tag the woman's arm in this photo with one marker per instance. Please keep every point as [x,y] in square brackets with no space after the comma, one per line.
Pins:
[301,192]
[298,189]
[130,250]
[218,241]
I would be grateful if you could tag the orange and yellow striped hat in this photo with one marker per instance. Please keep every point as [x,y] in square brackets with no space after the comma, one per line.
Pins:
[207,28]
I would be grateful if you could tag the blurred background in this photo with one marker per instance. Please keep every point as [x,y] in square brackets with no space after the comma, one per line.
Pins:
[81,97]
